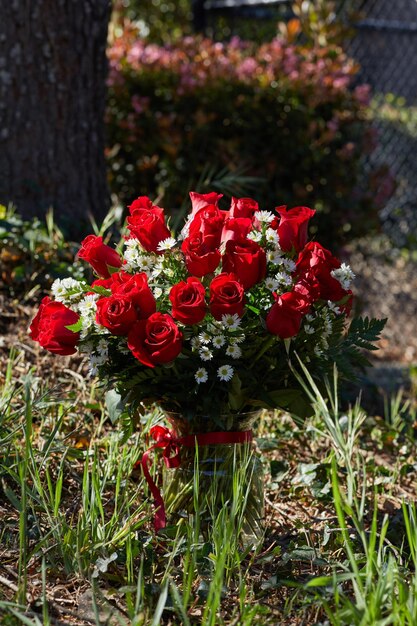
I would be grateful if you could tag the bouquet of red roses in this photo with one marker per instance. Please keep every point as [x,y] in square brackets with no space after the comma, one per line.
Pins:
[206,322]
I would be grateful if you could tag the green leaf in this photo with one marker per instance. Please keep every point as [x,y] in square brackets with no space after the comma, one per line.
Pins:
[75,327]
[114,405]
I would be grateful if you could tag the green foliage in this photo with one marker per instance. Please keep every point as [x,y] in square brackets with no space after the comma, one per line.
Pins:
[33,253]
[293,125]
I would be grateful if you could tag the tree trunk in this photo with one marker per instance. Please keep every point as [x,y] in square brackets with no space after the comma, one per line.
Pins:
[52,98]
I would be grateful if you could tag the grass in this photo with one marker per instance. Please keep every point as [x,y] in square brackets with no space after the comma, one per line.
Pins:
[76,539]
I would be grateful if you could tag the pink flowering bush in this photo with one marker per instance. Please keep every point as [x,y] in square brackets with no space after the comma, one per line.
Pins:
[285,112]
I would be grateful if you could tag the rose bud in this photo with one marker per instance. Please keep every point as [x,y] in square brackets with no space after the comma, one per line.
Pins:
[247,260]
[285,316]
[293,227]
[49,327]
[316,261]
[243,207]
[117,313]
[99,256]
[147,224]
[200,200]
[200,259]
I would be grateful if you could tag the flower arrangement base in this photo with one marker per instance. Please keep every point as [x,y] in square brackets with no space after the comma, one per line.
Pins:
[217,482]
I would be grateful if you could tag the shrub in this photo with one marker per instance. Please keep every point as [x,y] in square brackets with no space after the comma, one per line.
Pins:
[284,113]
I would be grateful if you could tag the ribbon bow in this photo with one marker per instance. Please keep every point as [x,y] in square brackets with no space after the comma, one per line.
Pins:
[171,453]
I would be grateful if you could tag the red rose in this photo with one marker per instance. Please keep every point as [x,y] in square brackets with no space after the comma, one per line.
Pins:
[247,260]
[309,287]
[48,327]
[155,340]
[208,221]
[117,313]
[200,259]
[135,288]
[285,316]
[319,262]
[236,228]
[188,301]
[100,256]
[227,296]
[243,207]
[147,223]
[292,227]
[200,200]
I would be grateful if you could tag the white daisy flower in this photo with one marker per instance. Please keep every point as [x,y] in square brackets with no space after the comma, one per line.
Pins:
[272,236]
[265,217]
[231,321]
[205,353]
[318,351]
[236,339]
[332,306]
[283,278]
[327,326]
[324,342]
[146,263]
[271,283]
[204,337]
[225,372]
[218,341]
[195,343]
[88,305]
[255,235]
[186,228]
[234,351]
[166,244]
[66,289]
[344,275]
[201,375]
[275,256]
[309,329]
[289,265]
[309,317]
[157,292]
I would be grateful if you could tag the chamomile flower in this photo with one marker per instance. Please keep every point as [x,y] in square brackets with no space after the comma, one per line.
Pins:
[344,275]
[204,337]
[283,279]
[157,292]
[225,373]
[87,307]
[272,284]
[309,317]
[308,329]
[166,244]
[271,236]
[195,343]
[66,289]
[274,256]
[146,263]
[231,321]
[201,375]
[318,351]
[236,339]
[265,217]
[205,353]
[333,307]
[289,265]
[218,341]
[234,351]
[255,235]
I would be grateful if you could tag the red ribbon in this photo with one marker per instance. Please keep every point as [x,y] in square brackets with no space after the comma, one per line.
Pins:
[171,453]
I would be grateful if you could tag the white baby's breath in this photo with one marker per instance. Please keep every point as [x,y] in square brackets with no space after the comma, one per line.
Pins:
[344,275]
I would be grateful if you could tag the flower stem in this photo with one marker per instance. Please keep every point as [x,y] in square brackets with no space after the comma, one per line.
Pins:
[264,348]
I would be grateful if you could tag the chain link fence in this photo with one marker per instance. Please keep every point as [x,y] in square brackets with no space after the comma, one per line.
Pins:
[385,46]
[384,43]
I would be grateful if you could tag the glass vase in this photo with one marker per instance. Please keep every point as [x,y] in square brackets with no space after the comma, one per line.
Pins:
[218,483]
